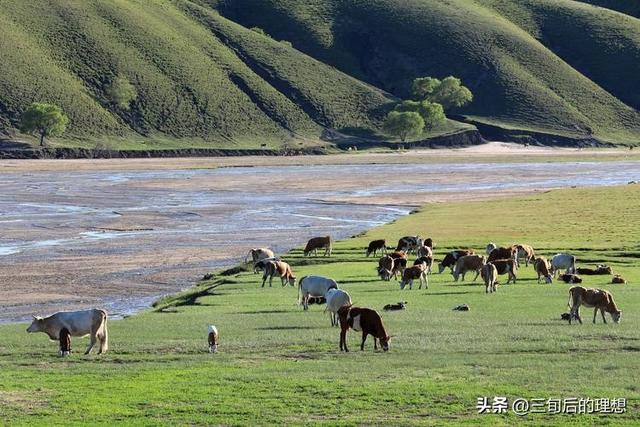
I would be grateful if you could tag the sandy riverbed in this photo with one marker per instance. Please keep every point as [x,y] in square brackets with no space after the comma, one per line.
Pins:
[119,233]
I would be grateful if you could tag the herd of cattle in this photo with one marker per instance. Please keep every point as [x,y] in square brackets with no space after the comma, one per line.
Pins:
[392,264]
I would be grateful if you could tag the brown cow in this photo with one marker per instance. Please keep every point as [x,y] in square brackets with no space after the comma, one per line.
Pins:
[468,263]
[398,254]
[399,265]
[451,258]
[599,270]
[503,253]
[282,270]
[412,273]
[541,264]
[599,299]
[65,342]
[526,252]
[316,243]
[507,266]
[428,242]
[385,267]
[424,251]
[377,245]
[618,279]
[362,319]
[490,276]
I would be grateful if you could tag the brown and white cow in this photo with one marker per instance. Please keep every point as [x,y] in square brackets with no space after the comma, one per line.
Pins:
[398,254]
[316,243]
[541,264]
[212,339]
[280,269]
[362,319]
[468,263]
[510,252]
[428,260]
[414,272]
[377,245]
[385,267]
[81,323]
[525,252]
[65,342]
[451,258]
[599,299]
[259,253]
[424,251]
[399,265]
[506,266]
[489,274]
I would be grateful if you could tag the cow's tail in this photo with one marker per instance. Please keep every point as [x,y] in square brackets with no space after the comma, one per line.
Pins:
[246,257]
[104,331]
[570,302]
[300,289]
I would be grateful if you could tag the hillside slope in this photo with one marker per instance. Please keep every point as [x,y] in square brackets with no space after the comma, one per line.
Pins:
[552,65]
[196,73]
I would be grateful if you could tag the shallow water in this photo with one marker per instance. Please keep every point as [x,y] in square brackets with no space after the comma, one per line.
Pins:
[121,239]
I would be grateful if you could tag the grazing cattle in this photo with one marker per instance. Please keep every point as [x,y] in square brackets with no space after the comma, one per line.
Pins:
[314,286]
[563,261]
[525,252]
[409,243]
[468,263]
[385,267]
[362,319]
[259,253]
[399,265]
[212,339]
[541,264]
[451,258]
[599,299]
[490,276]
[415,272]
[394,307]
[490,247]
[336,299]
[428,260]
[618,279]
[565,316]
[503,253]
[462,307]
[377,245]
[424,251]
[570,278]
[282,270]
[599,270]
[506,266]
[261,264]
[316,243]
[91,322]
[65,342]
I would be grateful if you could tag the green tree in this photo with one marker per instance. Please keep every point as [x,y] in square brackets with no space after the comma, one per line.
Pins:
[122,92]
[431,112]
[45,120]
[449,92]
[403,124]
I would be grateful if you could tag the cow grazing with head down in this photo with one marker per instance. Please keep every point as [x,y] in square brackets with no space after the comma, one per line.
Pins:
[91,322]
[412,273]
[316,243]
[468,263]
[489,274]
[506,266]
[375,246]
[451,258]
[314,286]
[212,339]
[525,252]
[280,269]
[362,319]
[599,299]
[409,243]
[510,252]
[542,269]
[261,264]
[385,267]
[258,254]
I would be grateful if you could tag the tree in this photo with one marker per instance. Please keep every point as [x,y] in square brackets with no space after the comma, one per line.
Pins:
[122,92]
[449,92]
[403,124]
[432,113]
[45,120]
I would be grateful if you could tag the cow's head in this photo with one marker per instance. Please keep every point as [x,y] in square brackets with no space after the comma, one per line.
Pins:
[384,343]
[548,279]
[616,316]
[384,274]
[37,325]
[292,281]
[441,268]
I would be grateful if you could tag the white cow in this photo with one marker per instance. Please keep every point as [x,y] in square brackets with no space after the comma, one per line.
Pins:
[336,299]
[314,286]
[563,261]
[79,324]
[257,254]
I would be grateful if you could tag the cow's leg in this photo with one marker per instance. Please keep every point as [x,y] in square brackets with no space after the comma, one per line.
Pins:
[477,274]
[343,339]
[364,338]
[264,278]
[375,345]
[604,319]
[595,313]
[92,342]
[270,280]
[305,301]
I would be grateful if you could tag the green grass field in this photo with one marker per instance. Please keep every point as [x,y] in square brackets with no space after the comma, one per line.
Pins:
[280,365]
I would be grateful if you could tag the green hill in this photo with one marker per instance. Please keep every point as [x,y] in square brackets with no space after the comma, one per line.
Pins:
[203,78]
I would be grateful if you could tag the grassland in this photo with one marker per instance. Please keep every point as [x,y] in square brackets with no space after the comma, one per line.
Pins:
[278,364]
